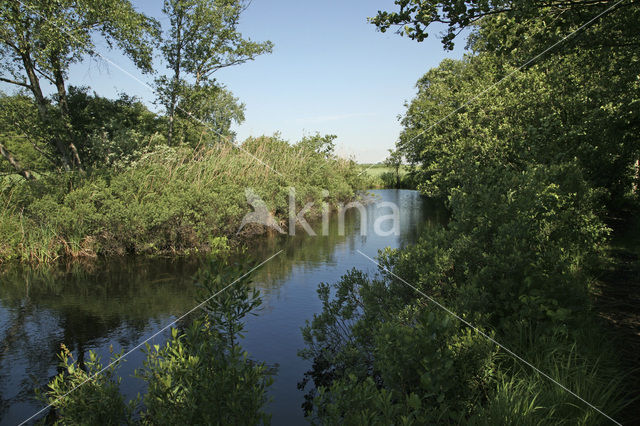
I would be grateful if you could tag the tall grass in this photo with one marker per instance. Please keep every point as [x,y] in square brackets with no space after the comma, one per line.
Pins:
[169,200]
[575,359]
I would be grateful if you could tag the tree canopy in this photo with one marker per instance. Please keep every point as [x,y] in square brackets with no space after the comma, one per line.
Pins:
[40,40]
[203,38]
[414,17]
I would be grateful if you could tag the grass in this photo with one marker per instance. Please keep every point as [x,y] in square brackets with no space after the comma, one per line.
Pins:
[169,201]
[577,360]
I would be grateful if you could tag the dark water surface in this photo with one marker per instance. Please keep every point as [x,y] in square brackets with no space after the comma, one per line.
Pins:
[123,302]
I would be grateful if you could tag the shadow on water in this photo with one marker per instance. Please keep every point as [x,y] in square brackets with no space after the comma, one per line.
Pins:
[121,302]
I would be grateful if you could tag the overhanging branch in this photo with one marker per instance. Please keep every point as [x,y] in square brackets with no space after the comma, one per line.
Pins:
[17,83]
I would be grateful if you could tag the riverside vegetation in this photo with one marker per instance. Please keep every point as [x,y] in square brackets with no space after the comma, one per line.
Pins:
[87,176]
[165,200]
[533,159]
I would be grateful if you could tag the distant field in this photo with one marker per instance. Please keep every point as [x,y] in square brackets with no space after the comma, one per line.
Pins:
[376,170]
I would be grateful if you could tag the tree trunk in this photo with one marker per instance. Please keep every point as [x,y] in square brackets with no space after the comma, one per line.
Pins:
[64,112]
[35,84]
[15,164]
[173,100]
[636,176]
[41,103]
[172,103]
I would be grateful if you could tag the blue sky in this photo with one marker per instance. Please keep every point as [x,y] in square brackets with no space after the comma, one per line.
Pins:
[330,72]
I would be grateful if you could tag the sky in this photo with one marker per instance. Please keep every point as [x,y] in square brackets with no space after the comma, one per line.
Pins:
[330,72]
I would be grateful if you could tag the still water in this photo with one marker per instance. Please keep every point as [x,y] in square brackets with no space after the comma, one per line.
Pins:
[124,301]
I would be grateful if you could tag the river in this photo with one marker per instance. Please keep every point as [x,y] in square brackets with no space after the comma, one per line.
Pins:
[122,302]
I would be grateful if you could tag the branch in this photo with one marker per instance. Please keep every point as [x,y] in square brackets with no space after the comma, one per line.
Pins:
[14,163]
[206,72]
[18,83]
[42,73]
[9,43]
[25,135]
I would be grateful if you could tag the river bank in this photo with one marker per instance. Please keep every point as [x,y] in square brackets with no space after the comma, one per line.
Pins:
[123,300]
[169,200]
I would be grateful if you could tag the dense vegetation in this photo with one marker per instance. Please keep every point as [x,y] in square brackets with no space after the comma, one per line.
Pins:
[87,176]
[165,200]
[533,148]
[533,158]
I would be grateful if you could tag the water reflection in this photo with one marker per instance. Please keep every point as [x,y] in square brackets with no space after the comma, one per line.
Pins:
[124,301]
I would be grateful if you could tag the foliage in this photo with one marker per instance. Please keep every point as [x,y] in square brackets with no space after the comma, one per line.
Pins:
[367,335]
[324,145]
[516,253]
[205,115]
[531,160]
[394,161]
[200,376]
[196,379]
[414,17]
[579,362]
[112,132]
[232,302]
[106,181]
[87,394]
[165,200]
[381,351]
[548,114]
[21,134]
[41,40]
[60,33]
[203,38]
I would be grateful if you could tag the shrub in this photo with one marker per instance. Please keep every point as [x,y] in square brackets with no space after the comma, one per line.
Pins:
[87,394]
[422,363]
[200,376]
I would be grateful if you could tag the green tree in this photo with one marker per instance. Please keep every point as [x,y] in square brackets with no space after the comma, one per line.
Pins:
[324,145]
[41,39]
[394,160]
[202,38]
[112,131]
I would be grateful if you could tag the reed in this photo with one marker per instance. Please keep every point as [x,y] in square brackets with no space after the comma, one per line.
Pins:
[171,200]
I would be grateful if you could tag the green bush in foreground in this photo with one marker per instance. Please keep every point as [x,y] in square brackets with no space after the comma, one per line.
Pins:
[375,362]
[87,394]
[200,376]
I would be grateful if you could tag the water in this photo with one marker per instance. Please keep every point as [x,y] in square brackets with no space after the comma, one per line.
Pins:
[122,302]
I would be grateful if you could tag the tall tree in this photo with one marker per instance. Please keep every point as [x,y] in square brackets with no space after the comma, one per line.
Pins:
[203,38]
[581,105]
[40,40]
[394,160]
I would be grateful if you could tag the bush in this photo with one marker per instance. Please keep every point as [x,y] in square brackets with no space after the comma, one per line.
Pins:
[200,376]
[87,394]
[423,364]
[197,379]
